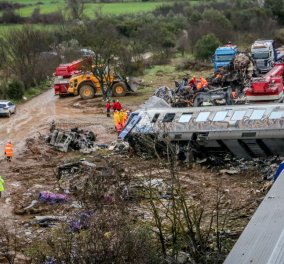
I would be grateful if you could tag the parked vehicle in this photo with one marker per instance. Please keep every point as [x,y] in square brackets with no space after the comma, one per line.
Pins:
[7,108]
[265,54]
[62,75]
[223,56]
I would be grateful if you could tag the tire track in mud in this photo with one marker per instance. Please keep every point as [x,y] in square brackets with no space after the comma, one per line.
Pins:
[35,116]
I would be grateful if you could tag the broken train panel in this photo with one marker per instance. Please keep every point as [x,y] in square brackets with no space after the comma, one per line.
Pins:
[245,131]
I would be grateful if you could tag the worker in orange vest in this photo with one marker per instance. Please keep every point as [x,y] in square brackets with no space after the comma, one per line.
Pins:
[8,151]
[202,84]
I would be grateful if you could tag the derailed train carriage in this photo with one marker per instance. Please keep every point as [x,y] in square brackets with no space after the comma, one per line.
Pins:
[245,131]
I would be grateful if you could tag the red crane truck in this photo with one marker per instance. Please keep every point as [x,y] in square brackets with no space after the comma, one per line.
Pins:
[269,87]
[62,75]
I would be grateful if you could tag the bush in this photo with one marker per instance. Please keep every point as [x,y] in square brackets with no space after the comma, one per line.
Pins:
[50,18]
[10,17]
[15,90]
[205,47]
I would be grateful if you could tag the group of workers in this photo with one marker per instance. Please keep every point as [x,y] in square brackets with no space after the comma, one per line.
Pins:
[198,85]
[120,116]
[116,106]
[8,152]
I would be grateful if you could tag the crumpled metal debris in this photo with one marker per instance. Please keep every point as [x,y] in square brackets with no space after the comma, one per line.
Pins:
[119,146]
[75,139]
[49,220]
[74,174]
[232,165]
[165,93]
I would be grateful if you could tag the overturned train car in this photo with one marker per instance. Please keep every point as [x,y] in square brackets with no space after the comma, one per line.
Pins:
[245,131]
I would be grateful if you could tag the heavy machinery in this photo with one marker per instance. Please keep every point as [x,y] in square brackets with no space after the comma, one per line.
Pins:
[269,87]
[223,56]
[87,85]
[71,79]
[265,54]
[62,75]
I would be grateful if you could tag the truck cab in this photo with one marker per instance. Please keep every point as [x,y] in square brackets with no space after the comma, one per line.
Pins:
[264,54]
[223,56]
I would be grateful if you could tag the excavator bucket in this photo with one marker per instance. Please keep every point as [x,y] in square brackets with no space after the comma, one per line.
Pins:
[132,84]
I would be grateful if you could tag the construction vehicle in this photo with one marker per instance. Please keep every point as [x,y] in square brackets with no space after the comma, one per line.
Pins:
[71,79]
[265,54]
[223,56]
[269,87]
[62,75]
[87,85]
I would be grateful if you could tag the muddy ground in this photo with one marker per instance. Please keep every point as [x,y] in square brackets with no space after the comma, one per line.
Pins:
[32,168]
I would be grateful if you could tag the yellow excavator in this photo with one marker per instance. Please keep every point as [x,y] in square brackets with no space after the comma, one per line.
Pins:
[87,85]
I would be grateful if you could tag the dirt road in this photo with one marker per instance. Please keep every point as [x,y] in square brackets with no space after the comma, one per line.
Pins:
[35,116]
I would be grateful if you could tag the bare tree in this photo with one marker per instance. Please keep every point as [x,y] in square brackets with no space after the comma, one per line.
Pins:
[21,50]
[76,8]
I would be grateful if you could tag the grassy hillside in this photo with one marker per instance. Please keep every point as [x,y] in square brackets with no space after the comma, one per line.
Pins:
[48,6]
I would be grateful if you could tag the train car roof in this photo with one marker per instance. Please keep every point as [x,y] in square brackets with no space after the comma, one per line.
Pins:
[262,241]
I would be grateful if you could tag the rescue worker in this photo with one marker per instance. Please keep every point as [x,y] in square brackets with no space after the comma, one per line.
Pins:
[193,81]
[108,106]
[119,128]
[1,185]
[114,105]
[202,84]
[118,105]
[8,151]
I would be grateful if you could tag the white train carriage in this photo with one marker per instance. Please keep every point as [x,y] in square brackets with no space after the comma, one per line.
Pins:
[243,130]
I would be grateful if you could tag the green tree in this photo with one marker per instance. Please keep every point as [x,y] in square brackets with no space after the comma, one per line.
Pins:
[15,90]
[277,8]
[206,46]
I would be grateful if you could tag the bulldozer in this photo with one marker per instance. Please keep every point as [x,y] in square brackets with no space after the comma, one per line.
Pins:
[87,85]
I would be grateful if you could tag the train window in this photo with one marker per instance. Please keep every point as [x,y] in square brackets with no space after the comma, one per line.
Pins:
[238,115]
[257,114]
[169,117]
[155,118]
[276,115]
[220,116]
[184,118]
[202,117]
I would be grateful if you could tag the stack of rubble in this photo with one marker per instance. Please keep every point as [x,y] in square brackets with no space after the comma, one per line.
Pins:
[74,139]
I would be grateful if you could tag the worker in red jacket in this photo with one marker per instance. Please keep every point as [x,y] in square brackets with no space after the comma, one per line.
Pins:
[114,105]
[118,105]
[108,106]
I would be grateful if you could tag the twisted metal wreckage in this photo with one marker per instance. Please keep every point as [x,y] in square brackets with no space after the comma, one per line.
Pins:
[245,131]
[232,79]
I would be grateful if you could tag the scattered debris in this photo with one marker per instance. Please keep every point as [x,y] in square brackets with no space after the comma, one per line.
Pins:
[81,223]
[52,198]
[49,220]
[74,139]
[119,146]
